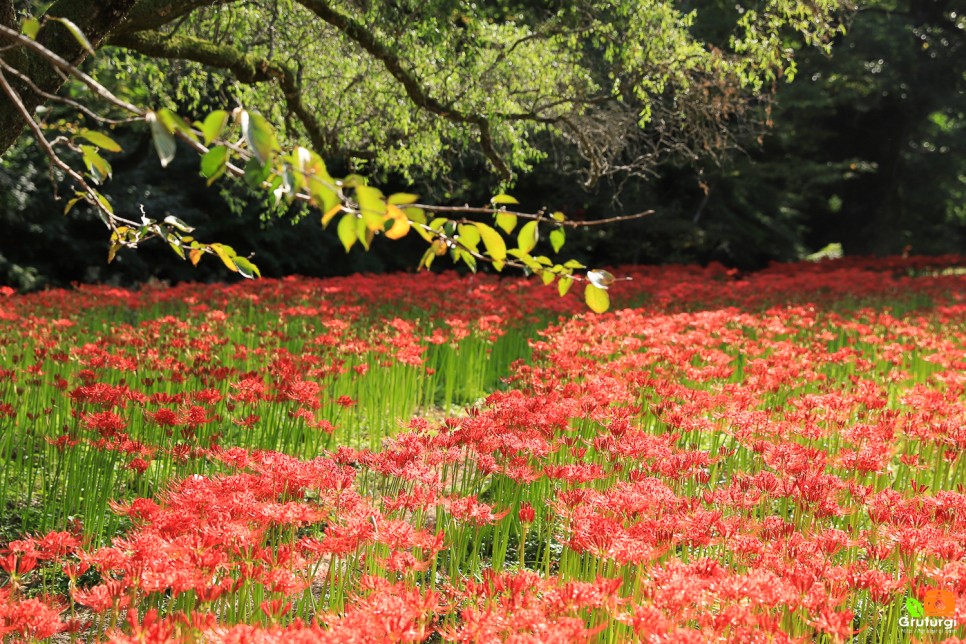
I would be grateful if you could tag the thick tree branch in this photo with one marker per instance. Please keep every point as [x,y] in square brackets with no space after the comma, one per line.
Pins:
[137,33]
[486,142]
[7,14]
[152,14]
[362,36]
[245,67]
[66,68]
[96,19]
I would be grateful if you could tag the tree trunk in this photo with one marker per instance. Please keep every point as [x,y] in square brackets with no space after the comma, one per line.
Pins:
[96,19]
[7,15]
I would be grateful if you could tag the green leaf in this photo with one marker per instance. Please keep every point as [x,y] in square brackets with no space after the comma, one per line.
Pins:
[256,173]
[506,221]
[246,268]
[346,231]
[354,180]
[323,193]
[468,259]
[99,168]
[73,202]
[112,251]
[533,265]
[415,215]
[215,163]
[557,238]
[320,184]
[163,140]
[30,27]
[175,222]
[215,123]
[493,242]
[330,214]
[291,183]
[100,139]
[175,246]
[914,607]
[402,198]
[564,285]
[420,230]
[503,199]
[528,236]
[372,206]
[76,32]
[373,223]
[103,207]
[227,255]
[364,232]
[427,259]
[176,124]
[597,298]
[469,236]
[259,135]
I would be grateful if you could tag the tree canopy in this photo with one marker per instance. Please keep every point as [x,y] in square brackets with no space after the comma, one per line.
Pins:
[411,88]
[412,84]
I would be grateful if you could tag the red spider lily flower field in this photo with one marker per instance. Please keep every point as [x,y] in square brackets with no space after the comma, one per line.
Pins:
[771,457]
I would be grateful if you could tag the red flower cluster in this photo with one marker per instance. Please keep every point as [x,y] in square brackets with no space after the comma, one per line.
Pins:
[773,457]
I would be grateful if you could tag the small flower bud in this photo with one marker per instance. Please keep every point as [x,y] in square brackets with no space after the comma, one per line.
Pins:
[527,514]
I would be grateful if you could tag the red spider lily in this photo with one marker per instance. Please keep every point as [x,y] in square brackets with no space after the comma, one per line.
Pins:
[250,389]
[471,510]
[105,395]
[146,630]
[346,401]
[165,417]
[31,619]
[17,564]
[736,460]
[106,423]
[110,595]
[836,624]
[526,514]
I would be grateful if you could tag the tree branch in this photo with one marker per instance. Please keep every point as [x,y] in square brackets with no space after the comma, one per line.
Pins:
[136,34]
[131,233]
[486,142]
[362,36]
[245,67]
[152,14]
[65,67]
[95,19]
[91,195]
[83,109]
[538,216]
[7,14]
